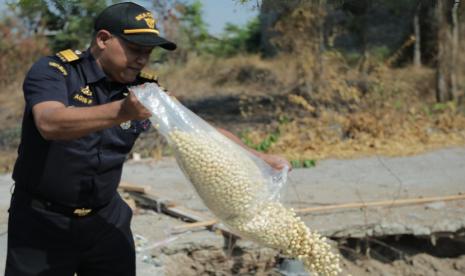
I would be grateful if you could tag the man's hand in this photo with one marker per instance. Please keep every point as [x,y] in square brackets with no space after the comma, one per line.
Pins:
[275,161]
[132,109]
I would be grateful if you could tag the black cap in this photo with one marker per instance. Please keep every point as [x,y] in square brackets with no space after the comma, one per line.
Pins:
[133,23]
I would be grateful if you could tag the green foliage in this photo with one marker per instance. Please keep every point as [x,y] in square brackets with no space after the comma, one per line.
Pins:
[352,57]
[398,104]
[435,108]
[193,27]
[264,145]
[296,163]
[439,107]
[380,53]
[306,163]
[235,40]
[267,142]
[283,119]
[451,105]
[67,23]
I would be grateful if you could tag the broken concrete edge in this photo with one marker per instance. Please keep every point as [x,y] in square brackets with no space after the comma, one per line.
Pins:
[392,229]
[170,208]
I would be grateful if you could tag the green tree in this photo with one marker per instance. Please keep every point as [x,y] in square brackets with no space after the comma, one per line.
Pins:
[233,40]
[183,23]
[236,39]
[193,27]
[67,23]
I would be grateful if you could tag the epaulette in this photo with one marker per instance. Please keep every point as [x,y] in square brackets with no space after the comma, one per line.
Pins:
[69,55]
[148,75]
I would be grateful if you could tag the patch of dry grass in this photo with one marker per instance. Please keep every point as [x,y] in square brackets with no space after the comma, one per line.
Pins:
[243,75]
[396,116]
[7,160]
[362,134]
[12,105]
[387,111]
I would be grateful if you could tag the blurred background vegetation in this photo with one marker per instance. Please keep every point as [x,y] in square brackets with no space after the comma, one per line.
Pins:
[307,79]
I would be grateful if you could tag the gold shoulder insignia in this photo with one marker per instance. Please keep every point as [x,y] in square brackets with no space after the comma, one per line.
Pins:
[59,67]
[149,75]
[68,55]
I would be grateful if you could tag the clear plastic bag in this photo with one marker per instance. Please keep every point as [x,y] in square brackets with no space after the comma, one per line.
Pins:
[212,155]
[239,188]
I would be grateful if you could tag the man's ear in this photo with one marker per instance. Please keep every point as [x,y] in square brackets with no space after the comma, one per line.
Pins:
[102,38]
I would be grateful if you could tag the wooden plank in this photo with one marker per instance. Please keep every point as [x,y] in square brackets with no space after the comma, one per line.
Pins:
[194,225]
[129,187]
[384,203]
[185,213]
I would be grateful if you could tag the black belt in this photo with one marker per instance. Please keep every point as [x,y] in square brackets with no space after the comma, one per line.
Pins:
[56,207]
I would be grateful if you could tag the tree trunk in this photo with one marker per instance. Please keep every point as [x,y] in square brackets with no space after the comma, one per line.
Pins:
[417,46]
[364,63]
[443,68]
[319,45]
[268,17]
[455,47]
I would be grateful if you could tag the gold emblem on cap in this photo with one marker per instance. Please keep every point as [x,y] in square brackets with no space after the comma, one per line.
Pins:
[150,22]
[148,18]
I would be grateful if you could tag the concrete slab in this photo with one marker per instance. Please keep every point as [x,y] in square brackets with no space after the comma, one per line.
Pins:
[5,195]
[437,173]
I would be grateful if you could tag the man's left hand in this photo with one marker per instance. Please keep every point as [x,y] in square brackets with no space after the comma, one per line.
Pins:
[275,161]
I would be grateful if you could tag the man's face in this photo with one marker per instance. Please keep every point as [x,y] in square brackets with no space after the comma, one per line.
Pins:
[122,61]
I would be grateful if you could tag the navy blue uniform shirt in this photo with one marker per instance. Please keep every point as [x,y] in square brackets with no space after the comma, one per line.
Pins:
[84,172]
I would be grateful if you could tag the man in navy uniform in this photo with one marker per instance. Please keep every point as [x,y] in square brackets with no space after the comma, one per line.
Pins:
[80,122]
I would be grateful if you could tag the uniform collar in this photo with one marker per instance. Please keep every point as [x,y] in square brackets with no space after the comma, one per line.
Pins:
[92,71]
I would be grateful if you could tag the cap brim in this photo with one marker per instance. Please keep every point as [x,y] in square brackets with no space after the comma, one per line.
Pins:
[149,40]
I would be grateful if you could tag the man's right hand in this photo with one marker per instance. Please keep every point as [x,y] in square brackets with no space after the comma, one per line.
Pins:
[55,121]
[132,109]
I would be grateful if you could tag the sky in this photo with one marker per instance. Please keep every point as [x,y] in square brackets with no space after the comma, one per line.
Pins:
[218,12]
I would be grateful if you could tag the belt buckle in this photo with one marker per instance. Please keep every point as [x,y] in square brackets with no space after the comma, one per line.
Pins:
[82,212]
